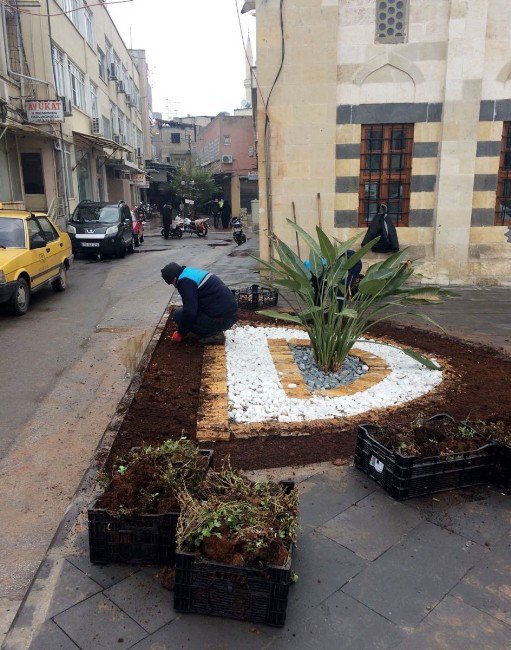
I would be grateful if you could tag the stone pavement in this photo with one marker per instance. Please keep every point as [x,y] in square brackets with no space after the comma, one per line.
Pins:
[373,573]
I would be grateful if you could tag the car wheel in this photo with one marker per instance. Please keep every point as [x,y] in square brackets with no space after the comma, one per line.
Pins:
[137,240]
[60,283]
[20,299]
[121,251]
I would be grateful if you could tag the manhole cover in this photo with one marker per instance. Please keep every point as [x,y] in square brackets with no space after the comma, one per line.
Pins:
[218,243]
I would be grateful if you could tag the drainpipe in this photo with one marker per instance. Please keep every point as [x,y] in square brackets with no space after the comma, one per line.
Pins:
[7,57]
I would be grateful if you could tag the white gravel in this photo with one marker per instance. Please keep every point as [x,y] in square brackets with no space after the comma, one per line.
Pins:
[256,394]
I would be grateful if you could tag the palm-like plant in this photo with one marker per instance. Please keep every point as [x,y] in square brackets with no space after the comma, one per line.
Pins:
[334,325]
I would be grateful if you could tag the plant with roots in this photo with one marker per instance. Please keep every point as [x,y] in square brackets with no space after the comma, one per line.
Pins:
[333,316]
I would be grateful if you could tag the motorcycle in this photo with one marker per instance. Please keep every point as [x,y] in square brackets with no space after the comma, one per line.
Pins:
[176,228]
[197,227]
[237,231]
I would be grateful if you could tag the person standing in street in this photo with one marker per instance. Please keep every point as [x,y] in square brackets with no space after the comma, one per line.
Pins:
[167,218]
[209,306]
[226,214]
[215,213]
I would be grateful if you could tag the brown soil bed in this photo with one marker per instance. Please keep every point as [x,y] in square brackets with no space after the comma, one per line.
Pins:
[475,387]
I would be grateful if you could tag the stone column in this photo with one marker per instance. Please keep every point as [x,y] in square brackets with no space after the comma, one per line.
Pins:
[463,93]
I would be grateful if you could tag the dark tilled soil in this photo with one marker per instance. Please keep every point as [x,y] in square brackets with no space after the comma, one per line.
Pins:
[475,387]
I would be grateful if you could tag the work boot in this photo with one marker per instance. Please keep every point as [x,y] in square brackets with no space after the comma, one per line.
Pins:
[214,339]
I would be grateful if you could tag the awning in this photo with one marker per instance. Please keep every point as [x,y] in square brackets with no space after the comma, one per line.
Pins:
[124,165]
[27,129]
[249,5]
[98,141]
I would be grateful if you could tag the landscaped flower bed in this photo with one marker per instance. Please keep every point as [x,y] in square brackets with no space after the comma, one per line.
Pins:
[429,456]
[234,549]
[135,519]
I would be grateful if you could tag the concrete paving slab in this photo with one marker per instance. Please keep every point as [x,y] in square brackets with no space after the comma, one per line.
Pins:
[323,567]
[481,514]
[372,525]
[406,582]
[454,624]
[106,576]
[323,496]
[73,587]
[207,633]
[143,598]
[98,623]
[487,586]
[51,637]
[340,622]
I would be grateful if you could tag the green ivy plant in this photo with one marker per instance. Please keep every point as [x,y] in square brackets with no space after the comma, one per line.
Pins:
[333,326]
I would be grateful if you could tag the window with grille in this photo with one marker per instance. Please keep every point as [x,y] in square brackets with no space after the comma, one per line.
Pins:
[385,171]
[175,138]
[503,207]
[391,21]
[77,81]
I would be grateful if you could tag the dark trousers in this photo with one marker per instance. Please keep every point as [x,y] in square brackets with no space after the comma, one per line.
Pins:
[205,325]
[216,219]
[166,227]
[225,220]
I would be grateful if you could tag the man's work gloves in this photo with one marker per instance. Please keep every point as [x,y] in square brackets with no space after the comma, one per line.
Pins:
[176,336]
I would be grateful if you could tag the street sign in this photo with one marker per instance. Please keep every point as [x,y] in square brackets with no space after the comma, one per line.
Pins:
[253,176]
[45,111]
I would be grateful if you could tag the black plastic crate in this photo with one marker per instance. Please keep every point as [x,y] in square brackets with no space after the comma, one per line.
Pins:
[141,539]
[256,297]
[502,469]
[404,477]
[242,593]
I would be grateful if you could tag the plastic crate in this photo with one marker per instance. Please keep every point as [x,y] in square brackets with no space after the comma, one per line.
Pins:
[404,477]
[242,593]
[140,539]
[502,468]
[256,297]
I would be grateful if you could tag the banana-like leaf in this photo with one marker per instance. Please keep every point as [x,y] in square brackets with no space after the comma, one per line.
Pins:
[313,244]
[370,287]
[316,262]
[349,313]
[327,248]
[356,257]
[423,360]
[347,245]
[288,255]
[288,318]
[292,285]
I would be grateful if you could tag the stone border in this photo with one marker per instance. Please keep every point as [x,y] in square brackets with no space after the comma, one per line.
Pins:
[213,412]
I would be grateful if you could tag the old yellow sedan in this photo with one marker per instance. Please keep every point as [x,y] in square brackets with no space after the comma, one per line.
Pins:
[34,252]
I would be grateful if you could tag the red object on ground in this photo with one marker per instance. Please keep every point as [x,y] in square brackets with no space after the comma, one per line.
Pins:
[177,337]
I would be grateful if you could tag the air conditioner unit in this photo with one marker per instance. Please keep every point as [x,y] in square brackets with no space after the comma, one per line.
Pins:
[4,92]
[114,75]
[120,87]
[95,125]
[116,138]
[68,107]
[227,160]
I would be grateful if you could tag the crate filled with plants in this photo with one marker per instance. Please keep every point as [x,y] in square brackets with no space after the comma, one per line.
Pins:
[235,548]
[430,455]
[498,432]
[256,297]
[134,521]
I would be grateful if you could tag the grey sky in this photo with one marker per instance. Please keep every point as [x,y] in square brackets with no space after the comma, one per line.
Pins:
[194,51]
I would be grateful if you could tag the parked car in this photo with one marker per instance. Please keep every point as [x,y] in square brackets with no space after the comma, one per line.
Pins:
[101,229]
[34,252]
[138,223]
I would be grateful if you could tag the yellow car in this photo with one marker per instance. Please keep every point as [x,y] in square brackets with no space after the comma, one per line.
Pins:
[34,252]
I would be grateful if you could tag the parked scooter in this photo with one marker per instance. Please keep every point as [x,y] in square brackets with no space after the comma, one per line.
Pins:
[237,231]
[176,230]
[197,227]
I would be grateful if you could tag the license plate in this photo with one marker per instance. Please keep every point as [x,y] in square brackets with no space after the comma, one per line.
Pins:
[90,243]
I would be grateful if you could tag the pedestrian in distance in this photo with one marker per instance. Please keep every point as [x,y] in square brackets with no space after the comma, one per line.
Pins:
[226,214]
[167,219]
[215,213]
[209,306]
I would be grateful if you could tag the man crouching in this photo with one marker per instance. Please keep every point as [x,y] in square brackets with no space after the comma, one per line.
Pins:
[209,306]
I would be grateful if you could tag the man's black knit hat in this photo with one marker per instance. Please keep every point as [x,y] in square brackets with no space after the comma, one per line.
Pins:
[171,271]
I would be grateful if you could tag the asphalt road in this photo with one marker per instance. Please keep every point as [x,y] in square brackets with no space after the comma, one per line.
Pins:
[64,367]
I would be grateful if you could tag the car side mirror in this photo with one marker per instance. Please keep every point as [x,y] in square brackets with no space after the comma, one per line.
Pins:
[37,241]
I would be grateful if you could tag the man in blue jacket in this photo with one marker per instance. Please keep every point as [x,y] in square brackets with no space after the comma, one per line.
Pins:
[209,306]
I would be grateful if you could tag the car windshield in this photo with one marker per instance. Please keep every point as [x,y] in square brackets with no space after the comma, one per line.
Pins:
[12,233]
[97,213]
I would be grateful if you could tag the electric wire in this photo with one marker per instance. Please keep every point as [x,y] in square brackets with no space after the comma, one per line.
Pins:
[7,3]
